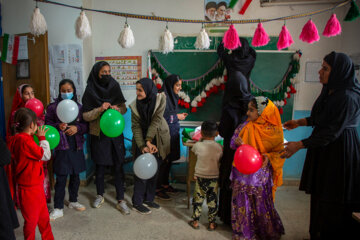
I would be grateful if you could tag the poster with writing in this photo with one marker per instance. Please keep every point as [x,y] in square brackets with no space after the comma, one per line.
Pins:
[124,69]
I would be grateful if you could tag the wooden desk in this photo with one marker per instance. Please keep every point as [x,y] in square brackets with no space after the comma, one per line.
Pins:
[191,161]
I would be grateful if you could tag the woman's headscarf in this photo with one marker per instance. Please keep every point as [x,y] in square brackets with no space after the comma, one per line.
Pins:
[342,76]
[146,106]
[241,59]
[18,102]
[266,135]
[100,90]
[171,97]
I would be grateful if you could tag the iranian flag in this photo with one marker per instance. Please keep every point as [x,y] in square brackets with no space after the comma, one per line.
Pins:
[10,48]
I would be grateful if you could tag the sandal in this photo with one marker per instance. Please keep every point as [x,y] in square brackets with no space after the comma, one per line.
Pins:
[209,228]
[192,224]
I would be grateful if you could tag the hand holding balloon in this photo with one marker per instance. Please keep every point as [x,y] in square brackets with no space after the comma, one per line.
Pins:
[115,107]
[145,150]
[265,160]
[62,126]
[41,131]
[152,147]
[104,106]
[239,141]
[72,130]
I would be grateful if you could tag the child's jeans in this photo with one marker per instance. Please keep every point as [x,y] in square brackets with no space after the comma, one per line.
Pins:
[205,188]
[35,212]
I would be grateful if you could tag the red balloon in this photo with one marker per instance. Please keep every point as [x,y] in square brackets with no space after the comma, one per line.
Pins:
[35,105]
[247,159]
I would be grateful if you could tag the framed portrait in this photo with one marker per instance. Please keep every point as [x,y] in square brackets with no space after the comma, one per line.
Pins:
[23,69]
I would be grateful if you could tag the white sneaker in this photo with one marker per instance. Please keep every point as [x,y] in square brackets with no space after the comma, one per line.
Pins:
[98,201]
[77,206]
[56,213]
[123,208]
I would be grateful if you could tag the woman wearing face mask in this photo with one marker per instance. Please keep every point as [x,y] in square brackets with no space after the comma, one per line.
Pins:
[103,92]
[172,87]
[68,155]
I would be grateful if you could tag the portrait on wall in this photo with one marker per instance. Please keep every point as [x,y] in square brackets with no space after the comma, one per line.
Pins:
[217,10]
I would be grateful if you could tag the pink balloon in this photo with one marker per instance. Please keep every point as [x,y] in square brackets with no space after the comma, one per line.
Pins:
[35,105]
[247,159]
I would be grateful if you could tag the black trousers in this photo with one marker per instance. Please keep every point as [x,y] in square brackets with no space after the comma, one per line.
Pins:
[164,173]
[119,179]
[60,189]
[144,190]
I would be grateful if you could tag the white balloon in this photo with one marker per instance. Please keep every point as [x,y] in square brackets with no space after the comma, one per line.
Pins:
[67,110]
[145,166]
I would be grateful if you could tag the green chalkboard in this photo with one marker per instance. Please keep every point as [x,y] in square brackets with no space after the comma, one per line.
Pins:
[270,68]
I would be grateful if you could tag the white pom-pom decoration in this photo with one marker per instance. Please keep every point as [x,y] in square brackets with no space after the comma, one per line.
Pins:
[82,26]
[218,82]
[296,56]
[281,103]
[198,98]
[225,72]
[37,23]
[288,89]
[222,80]
[194,103]
[202,40]
[126,38]
[159,81]
[167,42]
[182,94]
[207,87]
[285,95]
[203,94]
[187,99]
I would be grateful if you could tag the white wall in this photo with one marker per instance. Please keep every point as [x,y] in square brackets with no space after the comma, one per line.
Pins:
[106,30]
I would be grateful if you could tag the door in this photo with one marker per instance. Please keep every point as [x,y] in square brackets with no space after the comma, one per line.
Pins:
[39,73]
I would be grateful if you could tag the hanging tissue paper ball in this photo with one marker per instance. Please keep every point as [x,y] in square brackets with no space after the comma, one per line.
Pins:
[247,159]
[38,24]
[52,136]
[35,105]
[145,166]
[82,26]
[126,38]
[67,111]
[112,123]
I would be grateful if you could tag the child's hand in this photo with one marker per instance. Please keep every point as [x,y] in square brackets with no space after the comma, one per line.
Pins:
[41,131]
[145,150]
[62,126]
[239,141]
[152,147]
[265,160]
[72,130]
[104,106]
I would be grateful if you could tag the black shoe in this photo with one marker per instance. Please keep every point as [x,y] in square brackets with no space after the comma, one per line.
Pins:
[142,209]
[152,205]
[171,190]
[162,195]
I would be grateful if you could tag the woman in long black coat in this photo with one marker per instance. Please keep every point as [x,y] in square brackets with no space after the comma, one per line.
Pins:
[239,63]
[331,171]
[8,218]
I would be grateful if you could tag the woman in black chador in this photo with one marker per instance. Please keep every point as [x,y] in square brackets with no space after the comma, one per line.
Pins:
[238,63]
[331,171]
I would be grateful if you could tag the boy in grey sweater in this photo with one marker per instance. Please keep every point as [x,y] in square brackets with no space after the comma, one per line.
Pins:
[208,154]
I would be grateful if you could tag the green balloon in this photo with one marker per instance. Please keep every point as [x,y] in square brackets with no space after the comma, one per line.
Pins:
[112,123]
[52,136]
[36,139]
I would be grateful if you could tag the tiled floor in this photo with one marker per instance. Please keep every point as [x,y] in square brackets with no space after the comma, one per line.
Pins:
[170,222]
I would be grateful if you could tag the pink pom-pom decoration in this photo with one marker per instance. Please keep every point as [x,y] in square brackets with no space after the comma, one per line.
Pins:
[231,38]
[261,38]
[285,39]
[332,27]
[309,32]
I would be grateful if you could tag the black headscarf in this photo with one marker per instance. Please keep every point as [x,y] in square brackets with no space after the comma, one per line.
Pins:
[241,59]
[146,106]
[342,76]
[101,90]
[5,154]
[171,97]
[64,81]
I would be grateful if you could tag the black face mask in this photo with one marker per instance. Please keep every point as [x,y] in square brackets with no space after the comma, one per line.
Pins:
[105,79]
